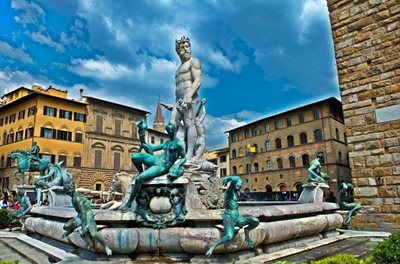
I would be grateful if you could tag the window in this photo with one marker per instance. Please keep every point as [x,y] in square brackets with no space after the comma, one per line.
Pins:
[248,168]
[234,170]
[64,135]
[305,159]
[8,162]
[222,158]
[77,161]
[29,132]
[12,118]
[118,127]
[267,128]
[254,131]
[152,140]
[99,123]
[97,158]
[290,141]
[301,118]
[267,145]
[49,157]
[303,138]
[50,111]
[337,134]
[277,125]
[318,135]
[134,131]
[98,186]
[21,114]
[288,121]
[19,135]
[246,133]
[64,114]
[292,162]
[78,137]
[240,152]
[269,165]
[4,138]
[316,114]
[31,110]
[278,143]
[340,157]
[161,140]
[10,138]
[280,163]
[234,154]
[117,160]
[223,172]
[47,132]
[255,179]
[1,121]
[79,117]
[268,188]
[62,158]
[256,167]
[233,137]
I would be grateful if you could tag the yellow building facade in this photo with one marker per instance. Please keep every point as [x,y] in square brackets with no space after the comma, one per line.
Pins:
[273,154]
[45,116]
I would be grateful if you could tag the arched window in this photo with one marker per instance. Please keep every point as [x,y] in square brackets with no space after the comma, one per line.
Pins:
[290,141]
[318,135]
[303,138]
[240,152]
[241,170]
[337,134]
[248,168]
[280,163]
[278,143]
[292,162]
[268,188]
[282,187]
[234,154]
[256,167]
[234,170]
[267,145]
[256,147]
[305,159]
[340,157]
[269,165]
[246,190]
[298,186]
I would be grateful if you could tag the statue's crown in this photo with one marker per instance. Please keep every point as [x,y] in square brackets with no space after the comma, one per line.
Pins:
[181,41]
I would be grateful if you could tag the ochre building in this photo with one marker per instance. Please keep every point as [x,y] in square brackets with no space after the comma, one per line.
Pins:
[273,154]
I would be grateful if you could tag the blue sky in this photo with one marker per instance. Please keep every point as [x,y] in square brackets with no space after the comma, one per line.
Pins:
[258,57]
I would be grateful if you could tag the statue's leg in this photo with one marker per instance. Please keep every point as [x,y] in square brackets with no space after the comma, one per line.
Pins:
[70,226]
[191,132]
[148,174]
[140,159]
[250,222]
[353,208]
[229,225]
[99,237]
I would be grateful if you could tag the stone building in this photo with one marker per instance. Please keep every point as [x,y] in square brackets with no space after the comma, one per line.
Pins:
[111,137]
[273,154]
[45,116]
[223,162]
[366,36]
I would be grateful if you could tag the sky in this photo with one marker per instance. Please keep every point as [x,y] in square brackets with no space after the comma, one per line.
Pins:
[258,57]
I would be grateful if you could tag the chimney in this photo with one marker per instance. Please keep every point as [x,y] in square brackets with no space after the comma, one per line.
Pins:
[81,93]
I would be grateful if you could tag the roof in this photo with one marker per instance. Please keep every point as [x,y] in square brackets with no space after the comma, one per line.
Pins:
[34,94]
[20,88]
[157,132]
[120,105]
[330,99]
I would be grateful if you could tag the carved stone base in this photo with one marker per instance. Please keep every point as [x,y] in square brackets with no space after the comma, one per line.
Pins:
[209,188]
[58,197]
[313,193]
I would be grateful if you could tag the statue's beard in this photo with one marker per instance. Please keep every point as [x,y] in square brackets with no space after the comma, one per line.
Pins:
[185,55]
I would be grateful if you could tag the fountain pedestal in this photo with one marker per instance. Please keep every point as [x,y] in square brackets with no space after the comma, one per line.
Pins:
[313,193]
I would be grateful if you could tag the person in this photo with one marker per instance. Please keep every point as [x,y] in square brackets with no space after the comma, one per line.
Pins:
[231,216]
[174,150]
[85,218]
[346,201]
[187,81]
[314,171]
[33,154]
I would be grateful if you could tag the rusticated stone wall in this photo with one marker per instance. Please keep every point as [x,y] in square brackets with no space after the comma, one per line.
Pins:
[366,37]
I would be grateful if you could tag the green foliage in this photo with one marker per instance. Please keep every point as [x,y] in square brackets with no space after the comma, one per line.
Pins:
[338,259]
[388,251]
[4,222]
[9,262]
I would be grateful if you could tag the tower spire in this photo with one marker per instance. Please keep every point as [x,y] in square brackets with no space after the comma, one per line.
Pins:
[158,124]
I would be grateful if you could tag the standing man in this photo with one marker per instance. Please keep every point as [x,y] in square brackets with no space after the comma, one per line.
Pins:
[187,81]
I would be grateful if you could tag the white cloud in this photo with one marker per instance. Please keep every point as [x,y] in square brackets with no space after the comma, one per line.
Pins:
[99,68]
[29,12]
[215,128]
[311,10]
[14,53]
[44,39]
[11,80]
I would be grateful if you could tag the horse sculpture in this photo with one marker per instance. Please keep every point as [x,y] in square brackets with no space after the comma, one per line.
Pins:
[22,165]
